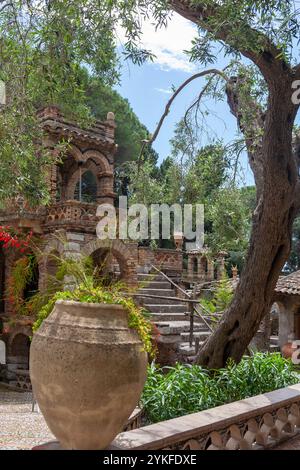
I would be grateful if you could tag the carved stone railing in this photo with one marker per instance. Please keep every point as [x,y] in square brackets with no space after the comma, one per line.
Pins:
[135,420]
[256,423]
[23,380]
[70,213]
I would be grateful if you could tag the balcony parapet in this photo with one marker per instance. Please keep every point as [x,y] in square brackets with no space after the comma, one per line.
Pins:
[72,213]
[256,423]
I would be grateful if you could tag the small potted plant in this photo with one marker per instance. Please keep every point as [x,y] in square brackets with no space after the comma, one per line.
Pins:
[88,357]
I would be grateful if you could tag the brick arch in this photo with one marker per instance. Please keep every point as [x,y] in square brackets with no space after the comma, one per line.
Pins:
[125,254]
[88,166]
[20,332]
[76,153]
[98,158]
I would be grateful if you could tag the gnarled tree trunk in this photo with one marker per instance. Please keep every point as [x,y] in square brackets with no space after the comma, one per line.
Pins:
[275,171]
[270,239]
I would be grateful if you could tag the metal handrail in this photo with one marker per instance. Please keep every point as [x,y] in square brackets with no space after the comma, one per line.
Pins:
[171,281]
[193,308]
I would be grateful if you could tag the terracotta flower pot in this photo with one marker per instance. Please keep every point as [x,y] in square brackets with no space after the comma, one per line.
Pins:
[87,370]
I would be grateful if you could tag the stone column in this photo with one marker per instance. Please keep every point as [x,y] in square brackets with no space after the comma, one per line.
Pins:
[210,270]
[72,250]
[286,321]
[201,270]
[190,266]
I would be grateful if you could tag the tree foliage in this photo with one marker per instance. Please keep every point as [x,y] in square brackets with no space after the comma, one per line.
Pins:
[42,46]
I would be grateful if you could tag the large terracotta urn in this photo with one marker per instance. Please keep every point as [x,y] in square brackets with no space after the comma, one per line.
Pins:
[87,370]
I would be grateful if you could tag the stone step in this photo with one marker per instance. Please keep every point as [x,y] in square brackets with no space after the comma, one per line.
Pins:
[202,335]
[155,285]
[186,350]
[164,308]
[175,327]
[169,339]
[274,340]
[150,277]
[161,316]
[157,301]
[274,348]
[159,292]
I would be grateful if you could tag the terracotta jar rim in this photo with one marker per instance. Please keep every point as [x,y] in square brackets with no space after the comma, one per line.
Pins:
[90,304]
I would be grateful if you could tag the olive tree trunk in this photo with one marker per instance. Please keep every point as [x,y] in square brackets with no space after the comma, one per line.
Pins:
[270,241]
[276,176]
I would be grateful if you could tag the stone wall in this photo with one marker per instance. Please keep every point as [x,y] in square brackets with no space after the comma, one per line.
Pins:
[163,259]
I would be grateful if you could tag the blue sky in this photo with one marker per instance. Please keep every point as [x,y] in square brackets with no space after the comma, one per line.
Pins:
[148,87]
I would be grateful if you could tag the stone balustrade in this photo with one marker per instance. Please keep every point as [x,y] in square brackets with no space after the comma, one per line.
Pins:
[256,423]
[71,213]
[23,380]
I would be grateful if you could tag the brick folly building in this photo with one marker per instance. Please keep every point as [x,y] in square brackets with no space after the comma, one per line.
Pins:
[67,226]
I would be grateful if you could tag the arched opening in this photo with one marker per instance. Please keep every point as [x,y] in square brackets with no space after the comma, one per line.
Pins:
[86,187]
[110,269]
[19,349]
[2,279]
[125,256]
[204,265]
[195,265]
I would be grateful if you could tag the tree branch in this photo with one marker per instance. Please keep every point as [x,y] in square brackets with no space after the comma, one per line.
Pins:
[269,60]
[184,84]
[169,104]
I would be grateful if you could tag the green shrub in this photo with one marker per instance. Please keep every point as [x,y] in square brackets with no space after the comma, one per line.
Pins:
[176,391]
[222,297]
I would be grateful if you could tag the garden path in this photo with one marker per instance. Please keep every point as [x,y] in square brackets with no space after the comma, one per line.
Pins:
[20,428]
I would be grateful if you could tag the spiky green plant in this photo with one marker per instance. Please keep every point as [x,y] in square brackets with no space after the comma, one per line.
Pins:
[176,391]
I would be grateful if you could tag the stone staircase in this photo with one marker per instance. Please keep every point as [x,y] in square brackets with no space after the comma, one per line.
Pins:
[170,316]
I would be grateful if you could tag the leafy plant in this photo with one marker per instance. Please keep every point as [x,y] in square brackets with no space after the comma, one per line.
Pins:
[222,297]
[176,391]
[86,284]
[22,275]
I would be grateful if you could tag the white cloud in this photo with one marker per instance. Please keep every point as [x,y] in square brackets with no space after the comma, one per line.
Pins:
[164,90]
[168,44]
